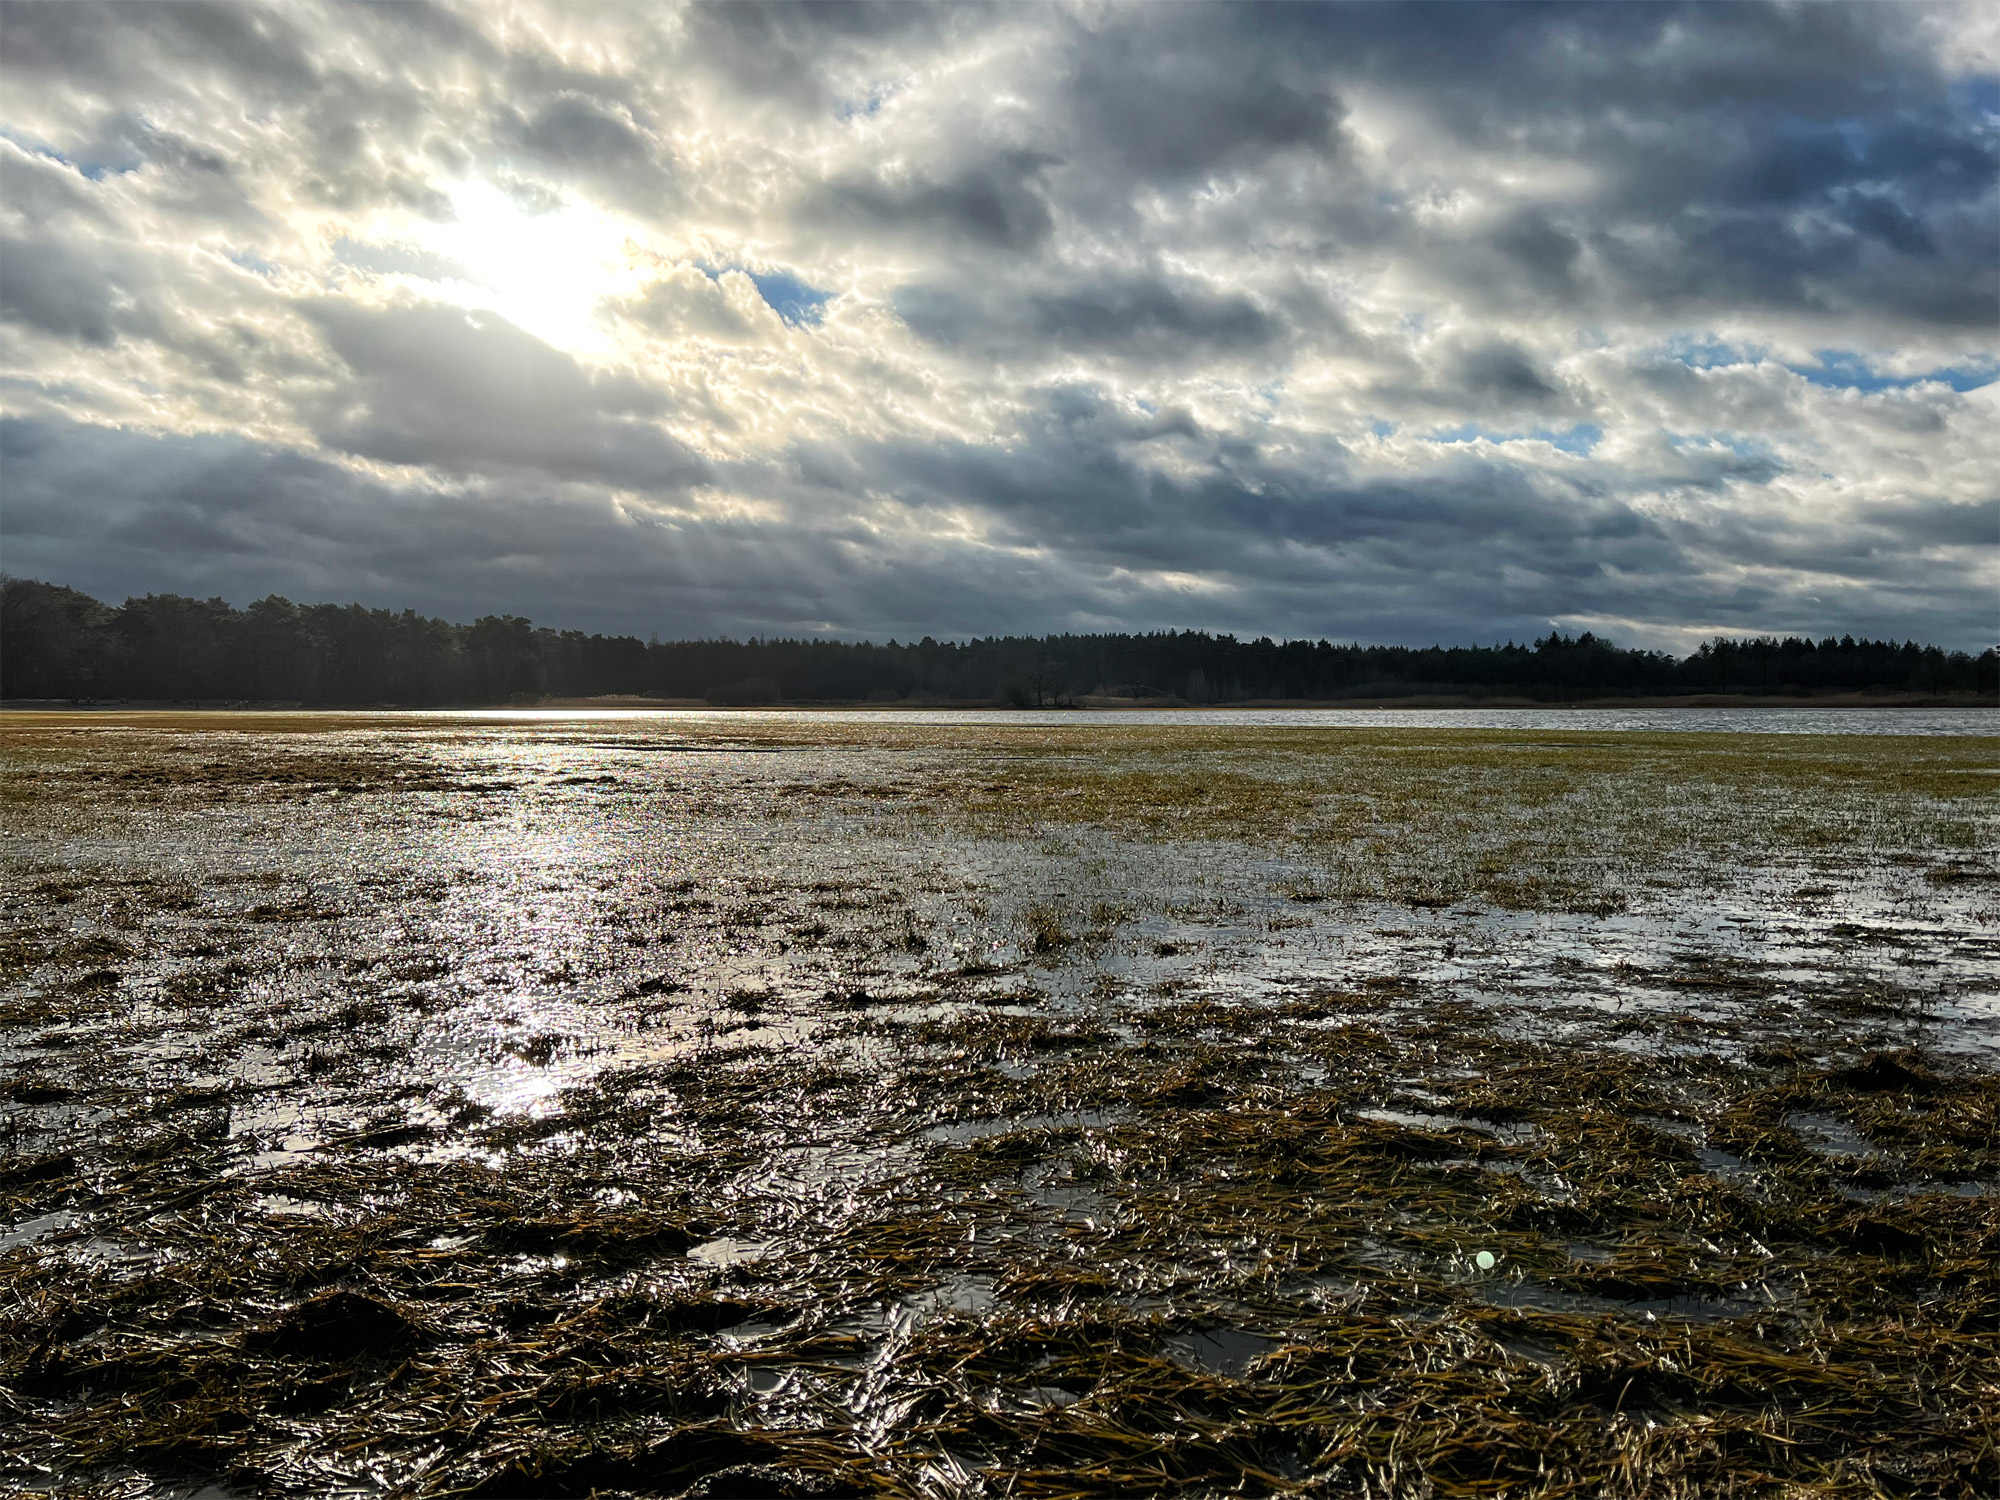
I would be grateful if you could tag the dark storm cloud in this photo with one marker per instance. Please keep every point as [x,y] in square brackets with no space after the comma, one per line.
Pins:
[1803,157]
[1090,485]
[1142,315]
[589,140]
[998,204]
[1158,98]
[578,131]
[1152,313]
[1472,546]
[1470,379]
[1414,321]
[209,515]
[129,46]
[123,142]
[782,50]
[1933,523]
[1539,252]
[469,393]
[1506,373]
[212,515]
[46,286]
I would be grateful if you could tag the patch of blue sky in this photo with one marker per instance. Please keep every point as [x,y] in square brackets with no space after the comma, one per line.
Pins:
[785,294]
[789,297]
[1381,428]
[1579,439]
[1843,369]
[849,109]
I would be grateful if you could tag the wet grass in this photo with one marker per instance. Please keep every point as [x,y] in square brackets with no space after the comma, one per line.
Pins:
[1014,1114]
[1657,1321]
[1529,822]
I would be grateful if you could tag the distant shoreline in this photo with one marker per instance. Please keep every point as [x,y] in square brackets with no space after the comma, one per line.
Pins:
[1086,705]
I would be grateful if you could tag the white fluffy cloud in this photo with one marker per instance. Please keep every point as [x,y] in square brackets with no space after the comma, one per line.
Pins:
[1404,323]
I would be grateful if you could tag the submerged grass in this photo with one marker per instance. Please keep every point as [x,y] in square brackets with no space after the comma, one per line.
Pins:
[504,1165]
[1048,1308]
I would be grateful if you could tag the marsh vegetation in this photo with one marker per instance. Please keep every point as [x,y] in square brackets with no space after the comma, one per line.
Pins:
[734,1106]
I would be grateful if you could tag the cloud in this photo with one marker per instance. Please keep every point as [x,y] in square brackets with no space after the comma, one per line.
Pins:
[578,137]
[1506,374]
[995,205]
[1142,316]
[45,286]
[1407,322]
[124,50]
[1156,99]
[467,392]
[687,302]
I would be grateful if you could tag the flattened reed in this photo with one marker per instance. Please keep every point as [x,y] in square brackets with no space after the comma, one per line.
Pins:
[775,1175]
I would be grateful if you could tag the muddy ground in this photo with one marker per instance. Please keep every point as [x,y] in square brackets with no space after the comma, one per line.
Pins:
[718,1105]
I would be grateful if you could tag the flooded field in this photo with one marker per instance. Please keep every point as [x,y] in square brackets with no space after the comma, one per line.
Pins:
[746,1105]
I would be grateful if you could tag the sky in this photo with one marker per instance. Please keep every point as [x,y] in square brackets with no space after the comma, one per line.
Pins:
[1406,323]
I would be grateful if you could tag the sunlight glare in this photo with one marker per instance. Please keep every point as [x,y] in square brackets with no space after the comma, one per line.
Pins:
[546,273]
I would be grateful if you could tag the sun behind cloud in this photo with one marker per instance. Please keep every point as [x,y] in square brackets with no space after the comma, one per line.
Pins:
[546,267]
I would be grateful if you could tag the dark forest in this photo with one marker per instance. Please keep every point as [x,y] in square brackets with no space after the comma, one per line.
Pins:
[59,644]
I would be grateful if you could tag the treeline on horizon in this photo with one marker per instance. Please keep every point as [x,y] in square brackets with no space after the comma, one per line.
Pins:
[59,644]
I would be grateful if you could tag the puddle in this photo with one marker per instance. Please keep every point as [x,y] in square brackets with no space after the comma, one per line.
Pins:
[729,1252]
[964,1132]
[291,1151]
[761,1380]
[1039,1397]
[809,1169]
[32,1231]
[1831,1137]
[1545,1298]
[967,1295]
[1442,1123]
[286,1206]
[1229,1352]
[1692,1131]
[1903,1192]
[1726,1165]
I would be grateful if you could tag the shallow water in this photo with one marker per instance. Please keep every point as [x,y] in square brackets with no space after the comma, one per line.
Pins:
[862,1067]
[1802,720]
